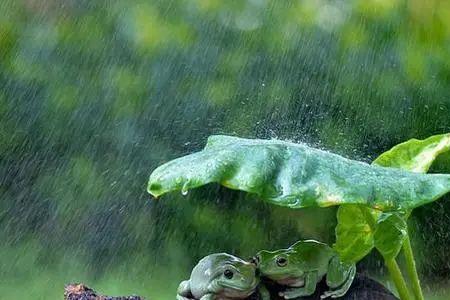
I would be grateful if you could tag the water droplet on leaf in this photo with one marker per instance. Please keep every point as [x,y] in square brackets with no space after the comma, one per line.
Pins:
[185,189]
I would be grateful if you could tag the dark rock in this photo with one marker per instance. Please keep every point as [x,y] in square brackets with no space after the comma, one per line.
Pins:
[363,288]
[79,291]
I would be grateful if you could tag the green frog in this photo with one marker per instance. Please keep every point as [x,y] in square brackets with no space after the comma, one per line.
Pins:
[302,266]
[220,276]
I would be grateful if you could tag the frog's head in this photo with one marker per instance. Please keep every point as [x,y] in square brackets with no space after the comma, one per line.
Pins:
[224,274]
[280,265]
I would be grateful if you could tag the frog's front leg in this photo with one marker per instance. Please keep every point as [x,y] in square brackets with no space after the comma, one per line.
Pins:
[308,289]
[184,291]
[263,292]
[339,278]
[208,297]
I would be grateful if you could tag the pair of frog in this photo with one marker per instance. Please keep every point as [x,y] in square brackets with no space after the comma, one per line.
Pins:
[298,268]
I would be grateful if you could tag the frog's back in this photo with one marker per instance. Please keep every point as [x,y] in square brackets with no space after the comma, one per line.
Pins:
[312,254]
[201,276]
[307,245]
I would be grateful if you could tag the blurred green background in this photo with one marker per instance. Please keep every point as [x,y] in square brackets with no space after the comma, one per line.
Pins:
[95,94]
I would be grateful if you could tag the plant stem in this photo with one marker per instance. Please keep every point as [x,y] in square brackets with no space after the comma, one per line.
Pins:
[391,264]
[397,278]
[411,269]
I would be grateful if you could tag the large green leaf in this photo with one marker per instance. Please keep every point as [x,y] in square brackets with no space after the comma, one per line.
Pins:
[296,176]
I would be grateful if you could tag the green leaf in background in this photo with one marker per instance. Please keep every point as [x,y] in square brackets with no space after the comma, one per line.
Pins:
[354,234]
[296,176]
[415,155]
[359,229]
[390,232]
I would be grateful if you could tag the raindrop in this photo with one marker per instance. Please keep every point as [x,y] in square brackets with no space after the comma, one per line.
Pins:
[185,189]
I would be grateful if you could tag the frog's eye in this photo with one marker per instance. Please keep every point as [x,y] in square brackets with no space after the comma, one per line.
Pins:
[228,274]
[281,261]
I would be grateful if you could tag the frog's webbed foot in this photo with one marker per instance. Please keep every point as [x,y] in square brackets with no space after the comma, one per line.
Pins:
[333,294]
[343,289]
[295,293]
[290,293]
